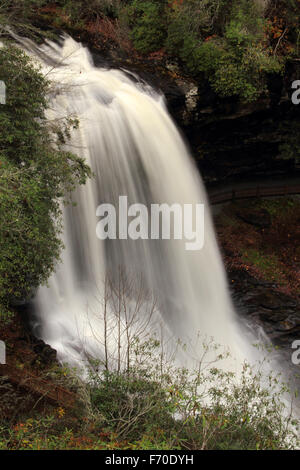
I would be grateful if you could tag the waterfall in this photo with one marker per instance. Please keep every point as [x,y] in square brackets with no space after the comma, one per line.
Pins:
[134,149]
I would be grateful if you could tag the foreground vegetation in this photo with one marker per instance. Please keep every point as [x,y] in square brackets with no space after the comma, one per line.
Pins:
[155,405]
[139,396]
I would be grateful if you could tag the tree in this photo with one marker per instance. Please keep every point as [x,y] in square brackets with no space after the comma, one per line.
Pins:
[147,20]
[35,174]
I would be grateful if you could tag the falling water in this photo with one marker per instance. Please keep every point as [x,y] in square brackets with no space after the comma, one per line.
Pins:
[129,140]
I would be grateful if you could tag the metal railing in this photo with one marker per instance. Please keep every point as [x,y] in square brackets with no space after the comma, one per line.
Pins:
[249,193]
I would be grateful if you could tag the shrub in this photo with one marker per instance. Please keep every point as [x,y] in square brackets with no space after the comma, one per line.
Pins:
[147,20]
[225,42]
[137,404]
[21,15]
[143,397]
[95,9]
[155,406]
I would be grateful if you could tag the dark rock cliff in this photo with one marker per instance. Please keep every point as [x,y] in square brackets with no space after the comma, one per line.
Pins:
[228,139]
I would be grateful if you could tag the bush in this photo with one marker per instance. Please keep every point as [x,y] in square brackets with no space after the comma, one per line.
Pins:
[95,9]
[147,20]
[138,397]
[226,43]
[21,15]
[137,404]
[143,398]
[35,173]
[157,405]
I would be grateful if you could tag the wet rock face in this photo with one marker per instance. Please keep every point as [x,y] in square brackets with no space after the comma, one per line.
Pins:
[24,349]
[228,138]
[229,143]
[41,354]
[276,312]
[27,333]
[46,354]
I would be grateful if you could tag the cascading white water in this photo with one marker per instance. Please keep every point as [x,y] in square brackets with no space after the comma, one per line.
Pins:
[134,149]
